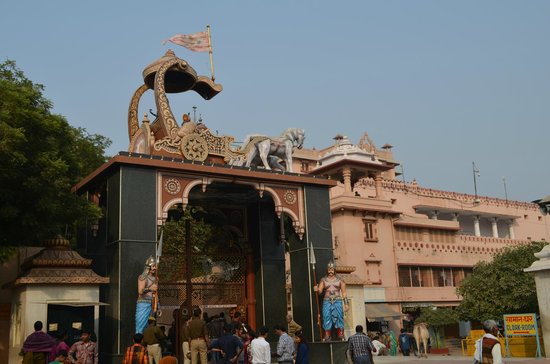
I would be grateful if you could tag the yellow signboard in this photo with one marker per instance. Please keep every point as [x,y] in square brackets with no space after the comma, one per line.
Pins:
[521,324]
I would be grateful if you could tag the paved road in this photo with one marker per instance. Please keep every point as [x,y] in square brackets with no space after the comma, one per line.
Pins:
[453,359]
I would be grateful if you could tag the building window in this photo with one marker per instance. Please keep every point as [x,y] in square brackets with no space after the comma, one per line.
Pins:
[370,230]
[304,167]
[422,276]
[404,276]
[374,275]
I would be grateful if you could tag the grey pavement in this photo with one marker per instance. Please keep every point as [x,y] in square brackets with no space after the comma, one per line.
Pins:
[454,359]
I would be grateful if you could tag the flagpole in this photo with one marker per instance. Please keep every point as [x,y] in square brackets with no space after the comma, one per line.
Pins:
[313,261]
[210,51]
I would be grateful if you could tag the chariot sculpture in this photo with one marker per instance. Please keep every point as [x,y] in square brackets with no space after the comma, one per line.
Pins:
[194,141]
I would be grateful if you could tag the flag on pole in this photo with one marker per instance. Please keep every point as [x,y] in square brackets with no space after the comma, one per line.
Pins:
[198,42]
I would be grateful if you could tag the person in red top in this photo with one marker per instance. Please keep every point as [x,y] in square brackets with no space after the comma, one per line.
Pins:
[137,353]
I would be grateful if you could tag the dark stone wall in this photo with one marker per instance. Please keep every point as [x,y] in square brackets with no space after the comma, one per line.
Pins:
[128,234]
[131,237]
[269,264]
[319,236]
[328,352]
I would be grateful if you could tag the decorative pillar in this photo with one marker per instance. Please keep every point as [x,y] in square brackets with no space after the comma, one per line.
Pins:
[511,232]
[346,173]
[541,269]
[378,186]
[477,232]
[455,216]
[494,227]
[434,214]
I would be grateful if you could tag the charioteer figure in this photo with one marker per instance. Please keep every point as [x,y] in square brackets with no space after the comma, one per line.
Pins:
[335,302]
[147,290]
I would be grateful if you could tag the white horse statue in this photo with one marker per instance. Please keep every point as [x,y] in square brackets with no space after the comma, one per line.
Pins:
[421,336]
[268,151]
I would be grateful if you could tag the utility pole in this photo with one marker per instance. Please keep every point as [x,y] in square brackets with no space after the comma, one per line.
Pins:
[475,172]
[505,190]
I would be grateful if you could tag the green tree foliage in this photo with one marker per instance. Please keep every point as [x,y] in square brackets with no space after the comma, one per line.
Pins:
[437,318]
[172,263]
[41,158]
[501,286]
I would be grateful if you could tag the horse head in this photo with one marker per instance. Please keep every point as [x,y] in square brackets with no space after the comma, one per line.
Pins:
[297,137]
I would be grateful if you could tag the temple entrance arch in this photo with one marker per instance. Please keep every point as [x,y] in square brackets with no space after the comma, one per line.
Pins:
[204,261]
[138,193]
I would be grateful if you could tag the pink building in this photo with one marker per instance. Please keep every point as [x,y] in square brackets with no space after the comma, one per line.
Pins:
[410,246]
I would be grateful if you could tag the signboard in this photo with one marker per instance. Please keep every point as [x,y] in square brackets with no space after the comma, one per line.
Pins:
[523,324]
[520,325]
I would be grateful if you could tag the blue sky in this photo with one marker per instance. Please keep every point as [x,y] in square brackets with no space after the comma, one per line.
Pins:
[445,82]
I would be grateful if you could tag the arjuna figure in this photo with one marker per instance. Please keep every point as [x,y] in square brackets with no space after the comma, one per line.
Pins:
[147,288]
[335,302]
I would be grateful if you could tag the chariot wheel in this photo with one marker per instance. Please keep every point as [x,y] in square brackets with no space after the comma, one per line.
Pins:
[194,147]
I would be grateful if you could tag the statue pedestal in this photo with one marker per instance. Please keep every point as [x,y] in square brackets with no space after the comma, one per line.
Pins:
[330,352]
[541,268]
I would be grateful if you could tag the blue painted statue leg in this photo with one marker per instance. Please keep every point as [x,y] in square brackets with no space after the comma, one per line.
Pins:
[143,311]
[327,320]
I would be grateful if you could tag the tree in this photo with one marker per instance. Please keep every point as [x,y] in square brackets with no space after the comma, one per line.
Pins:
[41,158]
[501,286]
[437,318]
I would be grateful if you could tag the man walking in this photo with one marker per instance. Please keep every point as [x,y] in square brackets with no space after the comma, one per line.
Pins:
[360,347]
[152,338]
[136,353]
[197,333]
[285,346]
[259,348]
[85,350]
[488,347]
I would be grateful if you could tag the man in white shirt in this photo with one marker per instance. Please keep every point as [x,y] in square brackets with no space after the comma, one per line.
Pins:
[381,349]
[488,347]
[259,348]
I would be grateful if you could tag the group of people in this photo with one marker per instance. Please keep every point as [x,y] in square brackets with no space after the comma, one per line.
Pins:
[42,348]
[238,344]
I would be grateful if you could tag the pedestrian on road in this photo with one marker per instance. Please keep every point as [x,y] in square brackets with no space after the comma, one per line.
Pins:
[381,349]
[488,346]
[293,327]
[60,357]
[229,345]
[38,347]
[152,339]
[285,346]
[136,353]
[405,342]
[197,332]
[85,350]
[260,349]
[302,348]
[360,347]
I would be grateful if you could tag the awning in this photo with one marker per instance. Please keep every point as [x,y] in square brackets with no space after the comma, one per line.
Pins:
[75,303]
[381,312]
